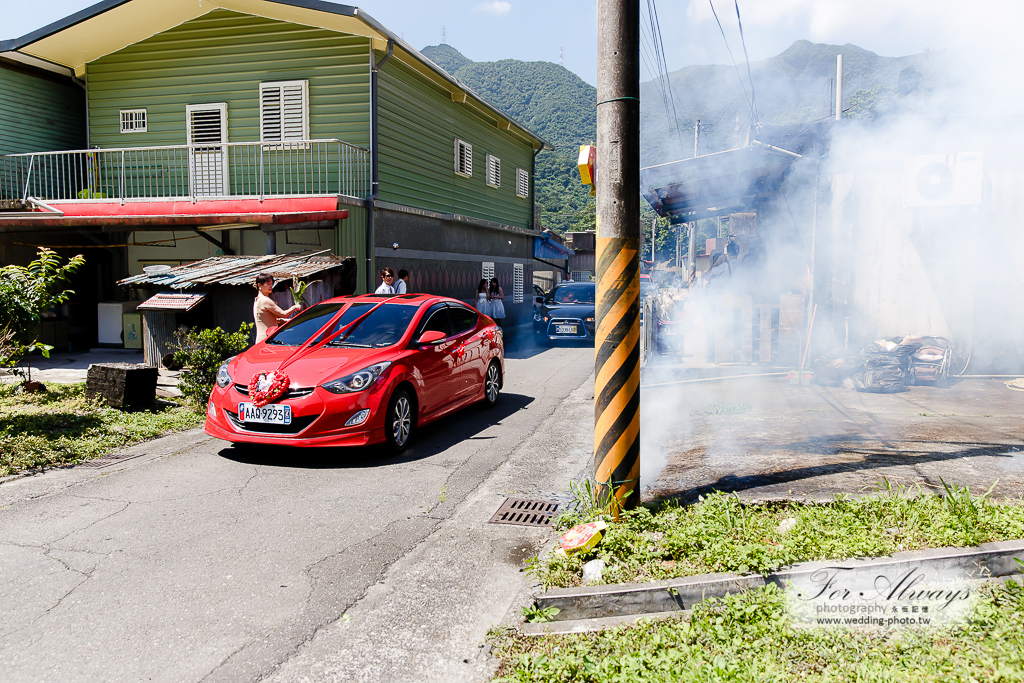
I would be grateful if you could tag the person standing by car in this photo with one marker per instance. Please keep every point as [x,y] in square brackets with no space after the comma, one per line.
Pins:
[265,310]
[387,281]
[483,300]
[496,296]
[402,283]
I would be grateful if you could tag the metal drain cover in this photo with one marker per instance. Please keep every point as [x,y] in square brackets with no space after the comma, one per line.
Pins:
[525,512]
[108,460]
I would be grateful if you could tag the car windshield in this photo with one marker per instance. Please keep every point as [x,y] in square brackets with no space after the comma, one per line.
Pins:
[572,294]
[384,327]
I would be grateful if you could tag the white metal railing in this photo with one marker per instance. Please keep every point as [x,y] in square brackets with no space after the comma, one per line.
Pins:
[229,170]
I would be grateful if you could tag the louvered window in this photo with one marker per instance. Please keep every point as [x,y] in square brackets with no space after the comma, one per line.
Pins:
[487,271]
[517,283]
[284,111]
[463,158]
[493,171]
[133,120]
[522,183]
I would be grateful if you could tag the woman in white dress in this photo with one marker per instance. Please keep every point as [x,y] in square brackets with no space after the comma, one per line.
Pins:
[496,296]
[483,301]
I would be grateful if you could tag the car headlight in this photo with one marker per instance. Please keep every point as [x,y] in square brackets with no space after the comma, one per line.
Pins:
[223,376]
[357,381]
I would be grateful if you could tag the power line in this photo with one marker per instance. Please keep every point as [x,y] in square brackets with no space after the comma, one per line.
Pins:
[743,86]
[753,98]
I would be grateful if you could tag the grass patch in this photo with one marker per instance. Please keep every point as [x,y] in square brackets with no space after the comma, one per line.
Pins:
[749,638]
[62,426]
[723,534]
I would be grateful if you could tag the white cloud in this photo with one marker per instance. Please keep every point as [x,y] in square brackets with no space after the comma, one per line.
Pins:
[494,7]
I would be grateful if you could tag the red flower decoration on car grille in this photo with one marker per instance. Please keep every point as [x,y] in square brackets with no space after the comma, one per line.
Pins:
[267,387]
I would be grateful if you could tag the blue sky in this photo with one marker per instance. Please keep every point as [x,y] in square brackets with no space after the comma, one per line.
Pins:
[486,30]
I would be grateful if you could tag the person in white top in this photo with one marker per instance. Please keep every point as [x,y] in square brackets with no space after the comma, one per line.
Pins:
[483,301]
[496,296]
[402,283]
[387,279]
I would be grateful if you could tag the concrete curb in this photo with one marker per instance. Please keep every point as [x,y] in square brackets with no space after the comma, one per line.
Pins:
[989,560]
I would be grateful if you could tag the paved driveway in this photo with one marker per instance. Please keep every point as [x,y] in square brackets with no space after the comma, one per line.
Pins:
[200,561]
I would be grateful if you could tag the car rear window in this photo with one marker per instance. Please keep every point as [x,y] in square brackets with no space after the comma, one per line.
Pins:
[572,294]
[384,327]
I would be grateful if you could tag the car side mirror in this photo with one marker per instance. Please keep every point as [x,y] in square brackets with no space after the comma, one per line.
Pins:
[431,338]
[539,300]
[271,331]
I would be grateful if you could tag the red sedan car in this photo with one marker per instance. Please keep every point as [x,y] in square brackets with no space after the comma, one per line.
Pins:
[359,370]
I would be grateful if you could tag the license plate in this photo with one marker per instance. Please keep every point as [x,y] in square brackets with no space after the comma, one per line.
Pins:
[268,415]
[565,329]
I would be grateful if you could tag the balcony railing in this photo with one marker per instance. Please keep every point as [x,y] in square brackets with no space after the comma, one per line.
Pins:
[236,170]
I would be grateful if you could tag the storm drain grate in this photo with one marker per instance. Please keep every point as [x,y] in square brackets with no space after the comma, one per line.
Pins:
[108,460]
[525,512]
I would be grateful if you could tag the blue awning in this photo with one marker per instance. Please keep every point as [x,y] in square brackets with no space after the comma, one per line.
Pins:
[547,249]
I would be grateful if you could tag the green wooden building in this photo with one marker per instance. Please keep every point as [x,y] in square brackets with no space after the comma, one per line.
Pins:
[267,126]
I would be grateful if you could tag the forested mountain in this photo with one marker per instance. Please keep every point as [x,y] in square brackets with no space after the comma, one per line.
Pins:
[554,103]
[793,87]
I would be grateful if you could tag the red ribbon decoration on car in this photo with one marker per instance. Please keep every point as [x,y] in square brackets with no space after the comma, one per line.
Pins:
[277,387]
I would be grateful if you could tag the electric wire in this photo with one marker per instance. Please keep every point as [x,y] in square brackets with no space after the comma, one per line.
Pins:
[735,66]
[753,97]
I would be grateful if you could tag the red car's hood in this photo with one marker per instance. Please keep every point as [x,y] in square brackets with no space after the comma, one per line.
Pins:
[310,370]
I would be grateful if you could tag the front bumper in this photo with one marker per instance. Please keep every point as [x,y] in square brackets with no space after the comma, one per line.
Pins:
[318,418]
[550,330]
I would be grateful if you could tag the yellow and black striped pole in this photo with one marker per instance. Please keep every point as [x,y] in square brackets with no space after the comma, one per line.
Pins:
[617,347]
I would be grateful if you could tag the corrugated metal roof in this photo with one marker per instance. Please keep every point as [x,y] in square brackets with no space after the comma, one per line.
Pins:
[240,270]
[169,301]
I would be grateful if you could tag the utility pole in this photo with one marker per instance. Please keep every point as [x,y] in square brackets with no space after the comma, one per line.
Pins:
[617,343]
[696,138]
[839,87]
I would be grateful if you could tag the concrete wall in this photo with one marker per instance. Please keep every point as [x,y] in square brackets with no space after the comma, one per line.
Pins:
[446,256]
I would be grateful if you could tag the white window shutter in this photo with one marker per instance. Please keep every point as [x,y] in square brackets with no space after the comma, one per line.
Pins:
[517,283]
[463,158]
[493,177]
[522,183]
[487,271]
[284,111]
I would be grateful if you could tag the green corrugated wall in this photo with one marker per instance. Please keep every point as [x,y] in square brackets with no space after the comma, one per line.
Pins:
[39,114]
[223,56]
[350,240]
[419,122]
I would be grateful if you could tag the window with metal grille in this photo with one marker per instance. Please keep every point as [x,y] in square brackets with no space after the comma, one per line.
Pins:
[133,120]
[581,275]
[493,171]
[463,158]
[522,183]
[284,111]
[487,272]
[517,283]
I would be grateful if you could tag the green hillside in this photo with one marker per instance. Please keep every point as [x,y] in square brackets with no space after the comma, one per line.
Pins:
[554,103]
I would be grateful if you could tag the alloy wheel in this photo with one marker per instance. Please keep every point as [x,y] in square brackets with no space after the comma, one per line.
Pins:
[492,383]
[401,421]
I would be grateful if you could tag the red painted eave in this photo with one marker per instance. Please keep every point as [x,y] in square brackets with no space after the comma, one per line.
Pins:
[169,213]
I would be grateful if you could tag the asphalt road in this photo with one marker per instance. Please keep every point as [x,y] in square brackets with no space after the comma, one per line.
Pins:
[198,561]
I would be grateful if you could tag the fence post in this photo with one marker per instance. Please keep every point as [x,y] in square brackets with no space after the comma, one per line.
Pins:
[121,183]
[261,172]
[28,177]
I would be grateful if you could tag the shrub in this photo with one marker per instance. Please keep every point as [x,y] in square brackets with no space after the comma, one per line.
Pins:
[201,352]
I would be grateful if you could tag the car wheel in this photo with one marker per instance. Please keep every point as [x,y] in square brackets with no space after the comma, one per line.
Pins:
[399,421]
[492,385]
